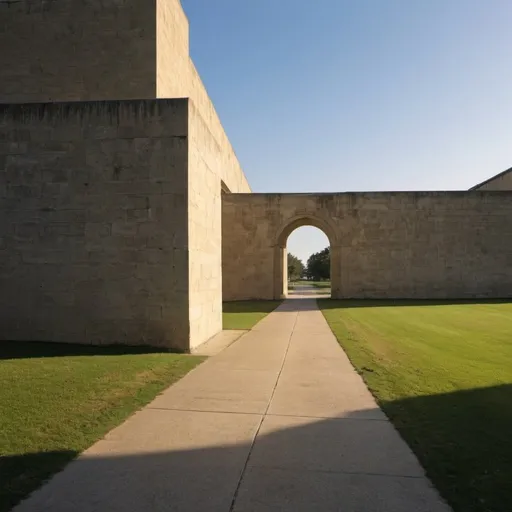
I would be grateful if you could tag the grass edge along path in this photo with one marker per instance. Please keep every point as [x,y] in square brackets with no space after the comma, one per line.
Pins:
[245,314]
[56,400]
[323,285]
[442,373]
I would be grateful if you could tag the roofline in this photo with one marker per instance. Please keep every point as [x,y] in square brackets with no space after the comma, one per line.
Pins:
[491,179]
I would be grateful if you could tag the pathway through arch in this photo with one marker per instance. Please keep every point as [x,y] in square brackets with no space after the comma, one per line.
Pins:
[278,421]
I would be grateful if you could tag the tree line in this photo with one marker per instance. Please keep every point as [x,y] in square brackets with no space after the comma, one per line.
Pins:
[318,266]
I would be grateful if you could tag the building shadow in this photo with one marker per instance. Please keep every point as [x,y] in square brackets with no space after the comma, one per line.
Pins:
[464,440]
[357,464]
[20,474]
[43,349]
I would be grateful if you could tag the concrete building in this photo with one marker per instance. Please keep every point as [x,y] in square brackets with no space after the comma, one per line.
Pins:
[126,217]
[502,181]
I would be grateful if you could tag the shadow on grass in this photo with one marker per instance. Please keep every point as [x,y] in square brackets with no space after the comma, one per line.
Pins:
[462,438]
[464,441]
[375,303]
[36,349]
[21,474]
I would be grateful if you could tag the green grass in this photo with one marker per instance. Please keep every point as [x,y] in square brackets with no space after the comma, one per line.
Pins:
[246,314]
[443,374]
[56,400]
[319,284]
[316,284]
[322,291]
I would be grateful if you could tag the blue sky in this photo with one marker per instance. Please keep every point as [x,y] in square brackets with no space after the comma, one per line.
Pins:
[361,95]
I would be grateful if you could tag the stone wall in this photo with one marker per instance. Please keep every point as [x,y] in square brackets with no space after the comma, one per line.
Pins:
[65,50]
[211,162]
[384,245]
[106,49]
[93,211]
[502,181]
[172,50]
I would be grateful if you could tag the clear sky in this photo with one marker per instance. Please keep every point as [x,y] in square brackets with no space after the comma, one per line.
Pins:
[360,95]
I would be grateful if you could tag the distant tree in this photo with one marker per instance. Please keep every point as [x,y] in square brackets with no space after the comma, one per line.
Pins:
[295,267]
[319,265]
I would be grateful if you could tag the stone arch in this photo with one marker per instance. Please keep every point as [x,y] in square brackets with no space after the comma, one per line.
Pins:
[280,253]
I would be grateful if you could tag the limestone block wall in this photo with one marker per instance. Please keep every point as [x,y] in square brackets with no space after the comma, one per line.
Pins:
[178,77]
[211,162]
[60,50]
[502,181]
[172,50]
[112,49]
[249,231]
[93,212]
[386,245]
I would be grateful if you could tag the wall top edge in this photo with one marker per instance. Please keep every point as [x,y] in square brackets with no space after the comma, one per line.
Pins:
[85,111]
[77,103]
[416,193]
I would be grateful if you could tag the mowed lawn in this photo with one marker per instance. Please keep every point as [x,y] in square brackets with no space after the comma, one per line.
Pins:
[245,314]
[319,284]
[443,374]
[316,284]
[56,400]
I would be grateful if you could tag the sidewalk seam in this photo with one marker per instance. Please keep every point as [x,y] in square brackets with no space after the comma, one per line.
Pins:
[235,495]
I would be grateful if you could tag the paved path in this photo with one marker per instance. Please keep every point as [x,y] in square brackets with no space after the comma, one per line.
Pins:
[308,291]
[279,421]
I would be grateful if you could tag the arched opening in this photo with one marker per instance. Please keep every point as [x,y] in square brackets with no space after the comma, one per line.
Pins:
[308,263]
[303,238]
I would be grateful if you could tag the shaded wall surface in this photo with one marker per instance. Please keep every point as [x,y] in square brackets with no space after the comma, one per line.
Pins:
[502,181]
[384,245]
[66,50]
[93,216]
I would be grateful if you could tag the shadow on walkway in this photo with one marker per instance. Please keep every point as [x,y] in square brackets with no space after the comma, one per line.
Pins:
[341,473]
[345,471]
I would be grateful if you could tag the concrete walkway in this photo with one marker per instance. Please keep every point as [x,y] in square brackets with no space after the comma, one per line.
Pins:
[278,421]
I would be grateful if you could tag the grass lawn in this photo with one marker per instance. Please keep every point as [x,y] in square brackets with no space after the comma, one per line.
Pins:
[319,284]
[443,375]
[316,284]
[56,400]
[245,314]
